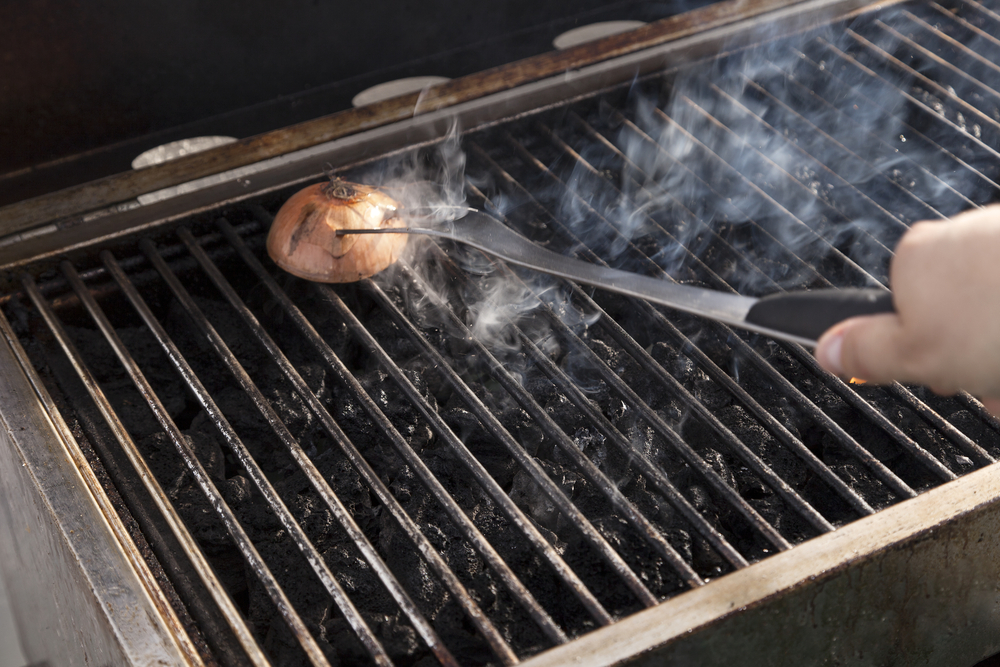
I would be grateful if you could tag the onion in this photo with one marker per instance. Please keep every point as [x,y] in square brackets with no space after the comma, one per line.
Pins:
[303,238]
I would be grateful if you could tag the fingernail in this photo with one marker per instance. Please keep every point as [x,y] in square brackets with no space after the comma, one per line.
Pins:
[830,354]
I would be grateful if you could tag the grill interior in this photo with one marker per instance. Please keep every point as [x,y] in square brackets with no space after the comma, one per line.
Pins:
[466,463]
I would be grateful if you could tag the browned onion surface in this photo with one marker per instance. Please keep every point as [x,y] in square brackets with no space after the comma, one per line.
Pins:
[303,238]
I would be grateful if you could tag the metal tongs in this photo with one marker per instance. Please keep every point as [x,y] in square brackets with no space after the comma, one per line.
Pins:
[799,317]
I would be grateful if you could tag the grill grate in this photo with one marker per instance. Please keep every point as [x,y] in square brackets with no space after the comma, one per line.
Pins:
[467,462]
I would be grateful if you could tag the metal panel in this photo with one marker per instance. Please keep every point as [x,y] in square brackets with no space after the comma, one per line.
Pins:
[77,595]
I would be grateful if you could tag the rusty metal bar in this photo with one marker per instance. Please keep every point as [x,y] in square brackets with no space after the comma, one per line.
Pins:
[127,186]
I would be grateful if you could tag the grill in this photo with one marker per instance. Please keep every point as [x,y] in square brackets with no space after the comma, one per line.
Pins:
[461,462]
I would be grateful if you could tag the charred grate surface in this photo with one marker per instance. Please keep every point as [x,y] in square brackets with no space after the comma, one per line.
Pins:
[465,463]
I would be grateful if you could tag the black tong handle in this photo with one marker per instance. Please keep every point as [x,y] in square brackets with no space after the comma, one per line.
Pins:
[810,313]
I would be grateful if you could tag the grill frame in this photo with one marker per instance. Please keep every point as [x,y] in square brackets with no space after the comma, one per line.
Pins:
[874,548]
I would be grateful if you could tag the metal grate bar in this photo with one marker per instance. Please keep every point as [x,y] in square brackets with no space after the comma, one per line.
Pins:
[899,486]
[852,398]
[653,473]
[472,610]
[750,459]
[773,426]
[859,204]
[856,401]
[239,536]
[976,30]
[525,597]
[792,197]
[947,97]
[208,578]
[612,558]
[572,392]
[932,35]
[951,69]
[920,179]
[868,60]
[660,480]
[713,157]
[962,441]
[341,513]
[881,471]
[716,482]
[864,149]
[539,476]
[445,432]
[594,474]
[688,216]
[846,61]
[727,209]
[765,417]
[976,406]
[979,7]
[495,428]
[591,471]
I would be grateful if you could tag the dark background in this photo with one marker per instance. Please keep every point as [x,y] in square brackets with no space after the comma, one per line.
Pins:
[87,86]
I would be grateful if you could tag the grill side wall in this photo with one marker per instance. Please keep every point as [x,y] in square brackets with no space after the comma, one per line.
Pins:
[916,584]
[76,599]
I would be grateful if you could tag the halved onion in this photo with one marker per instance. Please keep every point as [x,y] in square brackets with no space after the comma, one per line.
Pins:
[303,238]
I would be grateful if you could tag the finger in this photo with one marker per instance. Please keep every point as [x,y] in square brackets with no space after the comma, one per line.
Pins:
[863,347]
[992,404]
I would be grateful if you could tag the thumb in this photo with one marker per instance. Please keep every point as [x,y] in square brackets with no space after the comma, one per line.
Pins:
[863,347]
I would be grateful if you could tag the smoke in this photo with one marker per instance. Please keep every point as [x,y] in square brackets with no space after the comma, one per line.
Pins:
[796,163]
[826,145]
[495,305]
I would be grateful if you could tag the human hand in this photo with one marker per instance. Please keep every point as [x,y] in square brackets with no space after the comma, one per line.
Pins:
[945,333]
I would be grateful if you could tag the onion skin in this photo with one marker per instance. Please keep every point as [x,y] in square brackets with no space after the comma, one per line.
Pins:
[303,238]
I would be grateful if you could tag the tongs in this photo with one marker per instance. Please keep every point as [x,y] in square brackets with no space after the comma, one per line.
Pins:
[799,317]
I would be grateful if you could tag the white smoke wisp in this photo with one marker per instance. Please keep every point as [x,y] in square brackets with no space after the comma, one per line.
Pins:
[825,145]
[493,303]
